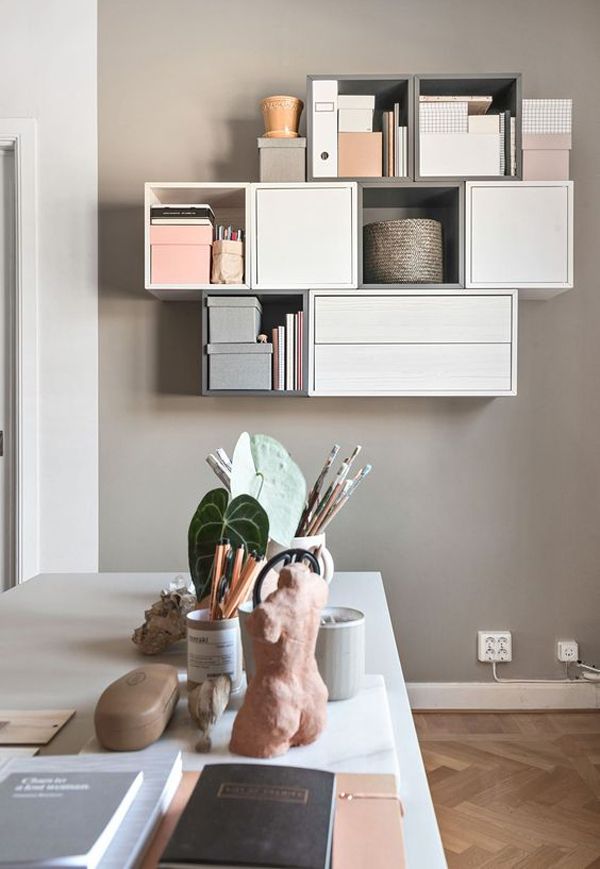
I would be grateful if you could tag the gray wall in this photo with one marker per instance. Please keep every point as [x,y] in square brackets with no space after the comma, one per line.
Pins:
[479,513]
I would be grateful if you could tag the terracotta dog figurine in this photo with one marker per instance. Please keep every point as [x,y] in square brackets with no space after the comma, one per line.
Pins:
[286,701]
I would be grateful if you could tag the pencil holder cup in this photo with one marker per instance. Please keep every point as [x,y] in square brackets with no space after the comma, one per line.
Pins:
[227,262]
[213,649]
[340,651]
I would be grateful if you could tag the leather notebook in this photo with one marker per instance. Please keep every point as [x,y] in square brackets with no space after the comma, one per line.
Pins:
[255,815]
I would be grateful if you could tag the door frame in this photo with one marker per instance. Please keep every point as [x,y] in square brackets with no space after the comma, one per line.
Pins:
[19,135]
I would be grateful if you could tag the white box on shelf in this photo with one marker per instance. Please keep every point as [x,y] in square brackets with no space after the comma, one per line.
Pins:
[459,154]
[355,120]
[356,101]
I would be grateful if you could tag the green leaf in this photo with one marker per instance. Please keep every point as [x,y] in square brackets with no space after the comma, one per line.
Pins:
[242,520]
[262,467]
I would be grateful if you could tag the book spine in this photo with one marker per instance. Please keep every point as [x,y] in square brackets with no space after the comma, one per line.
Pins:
[275,337]
[289,355]
[282,351]
[507,161]
[390,124]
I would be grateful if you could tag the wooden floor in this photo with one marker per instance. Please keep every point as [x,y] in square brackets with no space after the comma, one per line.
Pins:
[515,789]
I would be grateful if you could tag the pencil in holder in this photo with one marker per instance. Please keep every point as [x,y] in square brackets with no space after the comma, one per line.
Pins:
[227,262]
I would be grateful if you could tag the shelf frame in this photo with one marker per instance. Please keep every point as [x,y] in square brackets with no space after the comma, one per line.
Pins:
[363,81]
[405,184]
[187,190]
[269,296]
[477,83]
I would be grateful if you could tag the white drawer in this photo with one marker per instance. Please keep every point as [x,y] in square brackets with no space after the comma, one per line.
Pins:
[379,369]
[387,319]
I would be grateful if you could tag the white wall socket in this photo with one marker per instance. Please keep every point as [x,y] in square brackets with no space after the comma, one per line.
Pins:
[567,650]
[494,646]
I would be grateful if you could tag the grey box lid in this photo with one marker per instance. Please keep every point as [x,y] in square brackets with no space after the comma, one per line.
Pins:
[264,142]
[233,302]
[213,349]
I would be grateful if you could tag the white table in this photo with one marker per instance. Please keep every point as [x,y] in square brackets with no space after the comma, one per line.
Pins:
[63,638]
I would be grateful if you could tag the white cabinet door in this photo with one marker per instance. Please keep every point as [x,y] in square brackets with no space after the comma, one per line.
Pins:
[399,343]
[305,235]
[520,234]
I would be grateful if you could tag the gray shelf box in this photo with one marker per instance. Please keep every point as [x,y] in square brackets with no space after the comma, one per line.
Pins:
[282,160]
[239,366]
[233,319]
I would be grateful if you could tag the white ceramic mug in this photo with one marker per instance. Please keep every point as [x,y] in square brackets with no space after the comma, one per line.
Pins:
[213,649]
[312,543]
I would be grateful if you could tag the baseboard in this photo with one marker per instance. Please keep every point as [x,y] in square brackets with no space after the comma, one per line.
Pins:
[492,695]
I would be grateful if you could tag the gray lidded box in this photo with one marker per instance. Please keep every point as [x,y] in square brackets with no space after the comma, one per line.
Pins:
[239,366]
[233,319]
[282,160]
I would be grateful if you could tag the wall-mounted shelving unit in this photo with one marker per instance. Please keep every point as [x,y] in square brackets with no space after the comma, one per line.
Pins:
[504,239]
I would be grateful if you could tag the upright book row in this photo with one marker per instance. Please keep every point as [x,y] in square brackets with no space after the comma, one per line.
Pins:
[288,354]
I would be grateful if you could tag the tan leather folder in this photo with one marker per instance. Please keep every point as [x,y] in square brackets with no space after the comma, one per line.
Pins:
[360,155]
[367,830]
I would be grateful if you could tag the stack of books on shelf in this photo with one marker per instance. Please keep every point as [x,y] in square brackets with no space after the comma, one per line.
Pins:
[288,354]
[546,139]
[362,152]
[182,215]
[463,136]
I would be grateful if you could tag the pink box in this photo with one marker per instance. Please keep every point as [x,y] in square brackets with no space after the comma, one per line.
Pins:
[546,156]
[180,254]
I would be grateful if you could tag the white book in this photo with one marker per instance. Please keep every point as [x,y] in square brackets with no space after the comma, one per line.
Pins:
[355,101]
[325,128]
[459,154]
[355,120]
[290,351]
[161,766]
[281,332]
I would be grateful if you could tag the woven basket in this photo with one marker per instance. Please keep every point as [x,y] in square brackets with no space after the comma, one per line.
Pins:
[405,251]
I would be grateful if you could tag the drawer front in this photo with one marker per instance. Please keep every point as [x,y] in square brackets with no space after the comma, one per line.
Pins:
[304,236]
[364,369]
[412,319]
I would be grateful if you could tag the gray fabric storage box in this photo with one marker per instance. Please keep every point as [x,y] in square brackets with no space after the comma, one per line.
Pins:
[282,159]
[233,319]
[239,366]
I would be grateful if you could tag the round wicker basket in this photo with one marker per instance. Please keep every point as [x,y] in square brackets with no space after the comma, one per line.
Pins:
[407,251]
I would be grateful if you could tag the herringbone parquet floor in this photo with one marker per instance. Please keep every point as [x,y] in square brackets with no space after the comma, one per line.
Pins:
[515,789]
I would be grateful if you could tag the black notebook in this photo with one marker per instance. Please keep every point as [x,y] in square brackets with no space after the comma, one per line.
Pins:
[259,816]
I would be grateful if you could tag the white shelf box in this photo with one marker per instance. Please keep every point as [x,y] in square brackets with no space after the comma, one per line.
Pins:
[304,235]
[230,202]
[520,234]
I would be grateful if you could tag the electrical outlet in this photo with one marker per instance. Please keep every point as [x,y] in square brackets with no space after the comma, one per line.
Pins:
[494,646]
[567,650]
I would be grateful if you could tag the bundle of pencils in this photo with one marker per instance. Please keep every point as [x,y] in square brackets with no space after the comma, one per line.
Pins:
[233,576]
[321,509]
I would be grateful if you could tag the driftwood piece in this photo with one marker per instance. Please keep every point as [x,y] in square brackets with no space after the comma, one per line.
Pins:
[286,700]
[165,620]
[207,702]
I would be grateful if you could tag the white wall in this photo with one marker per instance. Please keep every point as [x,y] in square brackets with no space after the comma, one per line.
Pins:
[48,72]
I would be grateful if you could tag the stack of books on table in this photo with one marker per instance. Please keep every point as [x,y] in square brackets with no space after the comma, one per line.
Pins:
[463,136]
[84,810]
[288,353]
[363,153]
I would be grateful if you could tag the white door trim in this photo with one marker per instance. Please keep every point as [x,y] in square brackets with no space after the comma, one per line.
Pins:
[19,134]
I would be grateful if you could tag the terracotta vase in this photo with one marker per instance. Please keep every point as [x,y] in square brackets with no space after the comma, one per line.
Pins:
[281,116]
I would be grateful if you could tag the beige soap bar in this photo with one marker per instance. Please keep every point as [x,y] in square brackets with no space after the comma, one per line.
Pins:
[360,155]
